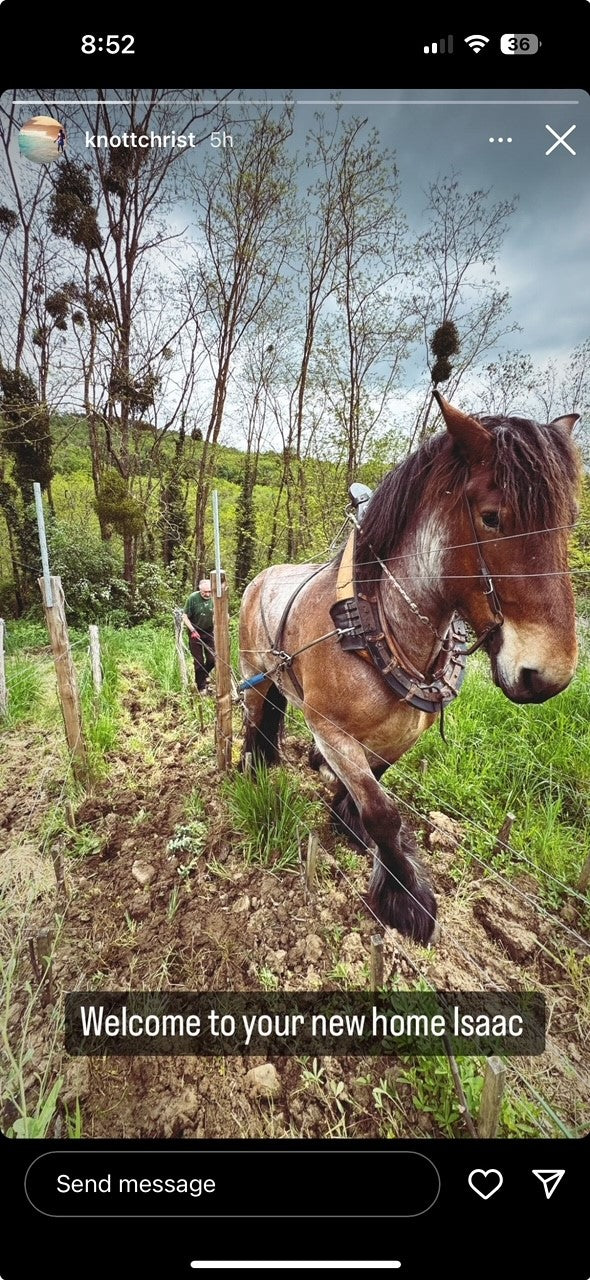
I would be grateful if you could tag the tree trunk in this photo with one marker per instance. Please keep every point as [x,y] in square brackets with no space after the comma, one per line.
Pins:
[129,558]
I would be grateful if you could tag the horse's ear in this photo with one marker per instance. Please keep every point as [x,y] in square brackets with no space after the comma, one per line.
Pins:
[469,434]
[568,422]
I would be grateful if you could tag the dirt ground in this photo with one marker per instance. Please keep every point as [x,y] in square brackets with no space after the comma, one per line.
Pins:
[225,925]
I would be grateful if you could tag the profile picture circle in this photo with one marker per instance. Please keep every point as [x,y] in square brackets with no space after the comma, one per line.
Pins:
[42,139]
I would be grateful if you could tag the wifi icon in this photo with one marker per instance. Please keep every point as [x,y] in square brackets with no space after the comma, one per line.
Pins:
[476,43]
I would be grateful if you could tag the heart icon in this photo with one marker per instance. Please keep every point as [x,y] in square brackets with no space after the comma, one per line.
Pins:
[482,1177]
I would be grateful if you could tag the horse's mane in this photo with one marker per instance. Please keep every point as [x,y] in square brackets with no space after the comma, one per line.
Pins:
[536,468]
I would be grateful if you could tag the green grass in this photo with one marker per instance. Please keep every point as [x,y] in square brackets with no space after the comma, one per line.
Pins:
[24,683]
[271,815]
[102,713]
[24,634]
[433,1093]
[152,647]
[500,757]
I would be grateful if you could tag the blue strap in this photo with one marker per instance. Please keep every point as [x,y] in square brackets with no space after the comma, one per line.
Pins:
[251,682]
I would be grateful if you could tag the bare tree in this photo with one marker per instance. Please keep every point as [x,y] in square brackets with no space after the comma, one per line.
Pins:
[455,262]
[244,208]
[134,188]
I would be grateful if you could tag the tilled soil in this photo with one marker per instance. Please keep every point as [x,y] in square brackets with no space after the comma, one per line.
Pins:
[221,924]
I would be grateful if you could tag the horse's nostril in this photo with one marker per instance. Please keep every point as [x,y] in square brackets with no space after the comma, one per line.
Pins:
[531,680]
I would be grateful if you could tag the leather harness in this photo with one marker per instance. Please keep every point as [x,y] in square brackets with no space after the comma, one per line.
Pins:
[369,636]
[362,628]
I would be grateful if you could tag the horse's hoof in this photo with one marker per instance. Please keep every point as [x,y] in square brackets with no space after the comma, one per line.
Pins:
[326,773]
[435,935]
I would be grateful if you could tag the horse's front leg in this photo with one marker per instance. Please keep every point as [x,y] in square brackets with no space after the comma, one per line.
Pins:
[399,893]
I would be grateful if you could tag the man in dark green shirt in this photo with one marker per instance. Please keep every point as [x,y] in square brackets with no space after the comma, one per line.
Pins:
[198,617]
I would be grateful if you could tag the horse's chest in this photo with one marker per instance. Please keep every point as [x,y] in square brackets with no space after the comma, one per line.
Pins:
[394,735]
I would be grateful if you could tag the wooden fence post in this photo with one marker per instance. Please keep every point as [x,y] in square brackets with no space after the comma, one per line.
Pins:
[311,861]
[180,647]
[223,722]
[376,961]
[491,1099]
[95,658]
[3,693]
[67,684]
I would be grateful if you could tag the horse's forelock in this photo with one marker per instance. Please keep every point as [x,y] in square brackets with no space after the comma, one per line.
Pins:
[536,468]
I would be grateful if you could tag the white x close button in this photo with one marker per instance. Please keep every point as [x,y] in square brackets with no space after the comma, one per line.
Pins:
[561,139]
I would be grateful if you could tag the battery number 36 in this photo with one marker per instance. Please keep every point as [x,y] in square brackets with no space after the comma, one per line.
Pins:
[519,44]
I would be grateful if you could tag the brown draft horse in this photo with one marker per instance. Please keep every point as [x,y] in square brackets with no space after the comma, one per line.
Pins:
[442,538]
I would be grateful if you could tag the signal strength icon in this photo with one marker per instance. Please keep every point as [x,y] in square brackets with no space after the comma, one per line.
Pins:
[440,46]
[477,43]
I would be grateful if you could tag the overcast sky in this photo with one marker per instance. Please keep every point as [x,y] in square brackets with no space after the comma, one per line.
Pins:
[546,255]
[545,258]
[545,261]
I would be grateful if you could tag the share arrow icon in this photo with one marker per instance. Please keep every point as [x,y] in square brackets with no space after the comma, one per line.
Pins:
[550,1178]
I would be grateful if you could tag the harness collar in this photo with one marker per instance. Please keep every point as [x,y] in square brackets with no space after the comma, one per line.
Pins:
[361,617]
[362,627]
[368,634]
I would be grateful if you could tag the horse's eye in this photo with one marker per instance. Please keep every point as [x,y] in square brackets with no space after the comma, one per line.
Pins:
[491,519]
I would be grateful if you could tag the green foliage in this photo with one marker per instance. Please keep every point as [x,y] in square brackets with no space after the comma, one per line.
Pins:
[102,713]
[84,843]
[89,570]
[189,837]
[152,647]
[533,760]
[25,633]
[194,806]
[8,600]
[72,213]
[155,594]
[26,435]
[271,815]
[433,1093]
[24,684]
[245,531]
[580,550]
[115,505]
[74,1125]
[26,438]
[173,516]
[36,1124]
[433,1090]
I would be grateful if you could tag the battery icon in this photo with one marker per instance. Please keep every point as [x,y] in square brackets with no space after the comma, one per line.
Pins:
[519,44]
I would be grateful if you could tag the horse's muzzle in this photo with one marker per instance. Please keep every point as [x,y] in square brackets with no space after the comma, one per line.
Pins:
[531,686]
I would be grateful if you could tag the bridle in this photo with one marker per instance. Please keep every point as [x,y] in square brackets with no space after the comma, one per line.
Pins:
[361,627]
[489,590]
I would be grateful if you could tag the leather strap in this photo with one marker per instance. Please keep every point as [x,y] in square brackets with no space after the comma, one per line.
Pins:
[345,581]
[373,641]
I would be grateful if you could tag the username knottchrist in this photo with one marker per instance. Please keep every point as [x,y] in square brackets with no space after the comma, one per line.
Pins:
[96,1021]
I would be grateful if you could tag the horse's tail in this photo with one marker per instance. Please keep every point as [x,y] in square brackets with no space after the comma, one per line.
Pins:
[265,714]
